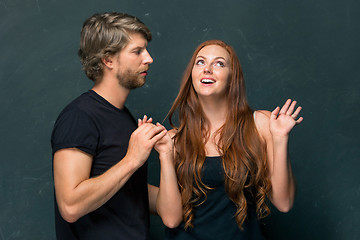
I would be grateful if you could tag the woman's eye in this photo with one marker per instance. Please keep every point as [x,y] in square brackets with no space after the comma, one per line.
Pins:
[200,62]
[219,64]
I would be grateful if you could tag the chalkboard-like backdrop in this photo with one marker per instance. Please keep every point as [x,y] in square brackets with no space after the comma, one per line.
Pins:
[307,50]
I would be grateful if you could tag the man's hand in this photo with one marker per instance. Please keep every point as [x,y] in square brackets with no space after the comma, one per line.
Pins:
[143,139]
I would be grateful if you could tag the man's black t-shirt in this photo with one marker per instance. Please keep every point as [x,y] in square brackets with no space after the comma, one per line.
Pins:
[93,125]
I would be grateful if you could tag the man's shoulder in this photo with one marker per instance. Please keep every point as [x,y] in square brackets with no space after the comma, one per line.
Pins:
[83,103]
[75,127]
[79,107]
[79,101]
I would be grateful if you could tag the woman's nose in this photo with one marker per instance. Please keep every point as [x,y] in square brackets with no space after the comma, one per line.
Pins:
[207,69]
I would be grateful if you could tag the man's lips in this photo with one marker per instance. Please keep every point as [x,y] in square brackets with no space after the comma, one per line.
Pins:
[144,73]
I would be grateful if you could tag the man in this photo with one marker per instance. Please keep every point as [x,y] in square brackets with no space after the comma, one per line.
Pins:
[99,154]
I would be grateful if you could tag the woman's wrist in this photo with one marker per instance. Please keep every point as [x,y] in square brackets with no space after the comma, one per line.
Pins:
[279,139]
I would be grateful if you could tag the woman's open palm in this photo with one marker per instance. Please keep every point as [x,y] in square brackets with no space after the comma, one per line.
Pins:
[283,120]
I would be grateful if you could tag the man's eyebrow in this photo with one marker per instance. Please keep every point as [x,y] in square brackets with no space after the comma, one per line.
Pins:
[139,47]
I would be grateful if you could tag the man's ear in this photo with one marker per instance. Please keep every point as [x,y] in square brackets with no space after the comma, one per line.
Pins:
[108,61]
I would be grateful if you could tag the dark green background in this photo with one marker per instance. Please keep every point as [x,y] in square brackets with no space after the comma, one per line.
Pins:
[307,50]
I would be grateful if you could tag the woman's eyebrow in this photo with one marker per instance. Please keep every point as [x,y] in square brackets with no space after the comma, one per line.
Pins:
[214,58]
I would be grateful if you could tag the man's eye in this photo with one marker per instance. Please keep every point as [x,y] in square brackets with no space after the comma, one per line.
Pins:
[137,51]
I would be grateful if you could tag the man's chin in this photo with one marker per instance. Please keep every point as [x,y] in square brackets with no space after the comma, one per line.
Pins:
[134,83]
[141,82]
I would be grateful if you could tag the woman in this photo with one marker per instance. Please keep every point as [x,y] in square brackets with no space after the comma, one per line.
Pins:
[227,157]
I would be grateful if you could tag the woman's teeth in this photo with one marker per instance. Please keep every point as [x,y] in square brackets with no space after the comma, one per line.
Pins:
[205,80]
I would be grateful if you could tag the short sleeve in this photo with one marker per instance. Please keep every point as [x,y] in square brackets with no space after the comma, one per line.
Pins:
[75,129]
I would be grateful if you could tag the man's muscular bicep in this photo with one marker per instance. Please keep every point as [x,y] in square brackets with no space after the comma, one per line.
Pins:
[71,167]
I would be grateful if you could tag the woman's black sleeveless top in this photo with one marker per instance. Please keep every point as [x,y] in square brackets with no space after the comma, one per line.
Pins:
[214,219]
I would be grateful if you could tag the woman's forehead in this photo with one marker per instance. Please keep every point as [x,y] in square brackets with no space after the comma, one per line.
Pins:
[214,51]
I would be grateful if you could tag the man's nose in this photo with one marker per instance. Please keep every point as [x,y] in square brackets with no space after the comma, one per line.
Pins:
[148,59]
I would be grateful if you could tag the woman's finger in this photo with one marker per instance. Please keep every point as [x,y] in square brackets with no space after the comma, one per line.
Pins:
[144,118]
[275,113]
[296,113]
[299,120]
[291,108]
[285,107]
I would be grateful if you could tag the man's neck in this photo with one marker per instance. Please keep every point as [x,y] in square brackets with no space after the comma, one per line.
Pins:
[113,92]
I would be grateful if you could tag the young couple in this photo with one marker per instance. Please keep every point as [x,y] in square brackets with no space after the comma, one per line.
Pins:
[219,163]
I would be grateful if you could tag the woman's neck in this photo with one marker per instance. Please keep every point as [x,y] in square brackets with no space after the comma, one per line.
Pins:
[215,111]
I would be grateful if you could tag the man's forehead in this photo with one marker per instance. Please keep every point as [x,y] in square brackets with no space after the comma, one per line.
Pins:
[136,40]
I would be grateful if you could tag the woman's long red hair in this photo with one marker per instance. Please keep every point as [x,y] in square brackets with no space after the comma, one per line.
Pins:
[243,151]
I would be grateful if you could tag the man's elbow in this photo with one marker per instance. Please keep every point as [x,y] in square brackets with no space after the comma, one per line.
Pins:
[69,213]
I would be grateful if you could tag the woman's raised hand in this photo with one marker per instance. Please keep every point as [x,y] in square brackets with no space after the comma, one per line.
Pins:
[283,120]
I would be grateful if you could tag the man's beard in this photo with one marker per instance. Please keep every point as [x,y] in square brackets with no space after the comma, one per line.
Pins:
[130,80]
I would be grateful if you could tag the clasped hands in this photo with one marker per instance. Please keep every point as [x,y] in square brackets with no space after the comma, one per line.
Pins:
[165,144]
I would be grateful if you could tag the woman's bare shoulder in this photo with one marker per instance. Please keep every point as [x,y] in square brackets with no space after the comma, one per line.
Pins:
[262,118]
